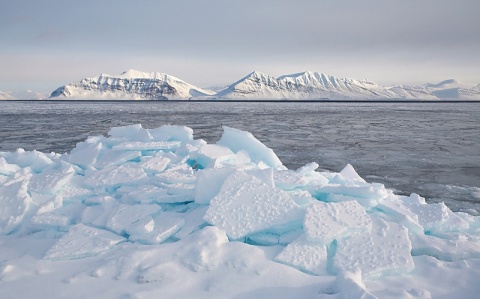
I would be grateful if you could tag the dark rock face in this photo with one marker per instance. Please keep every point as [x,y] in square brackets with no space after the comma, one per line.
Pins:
[149,89]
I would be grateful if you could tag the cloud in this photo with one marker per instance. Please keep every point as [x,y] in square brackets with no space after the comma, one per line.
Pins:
[223,39]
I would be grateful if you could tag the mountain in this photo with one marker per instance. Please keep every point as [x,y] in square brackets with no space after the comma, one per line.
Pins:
[136,85]
[5,96]
[131,85]
[310,85]
[453,89]
[448,84]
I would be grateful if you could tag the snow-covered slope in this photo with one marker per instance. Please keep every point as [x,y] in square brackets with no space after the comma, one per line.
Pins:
[130,85]
[453,89]
[5,96]
[306,85]
[311,85]
[136,85]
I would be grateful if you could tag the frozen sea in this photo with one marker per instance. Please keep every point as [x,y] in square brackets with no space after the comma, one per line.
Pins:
[432,149]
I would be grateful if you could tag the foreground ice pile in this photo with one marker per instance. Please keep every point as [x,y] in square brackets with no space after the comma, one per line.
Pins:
[155,188]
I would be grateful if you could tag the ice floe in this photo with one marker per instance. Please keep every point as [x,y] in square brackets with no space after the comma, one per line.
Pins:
[160,201]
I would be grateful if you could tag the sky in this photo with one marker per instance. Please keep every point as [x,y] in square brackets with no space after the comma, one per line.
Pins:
[49,43]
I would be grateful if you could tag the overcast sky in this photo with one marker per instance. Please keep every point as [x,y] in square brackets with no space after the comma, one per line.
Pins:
[48,43]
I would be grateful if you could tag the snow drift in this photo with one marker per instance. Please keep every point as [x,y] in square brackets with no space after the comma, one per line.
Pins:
[171,216]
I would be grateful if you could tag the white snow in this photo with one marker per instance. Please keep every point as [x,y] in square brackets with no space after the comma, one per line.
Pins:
[247,205]
[82,241]
[325,222]
[138,85]
[149,213]
[385,250]
[130,85]
[304,255]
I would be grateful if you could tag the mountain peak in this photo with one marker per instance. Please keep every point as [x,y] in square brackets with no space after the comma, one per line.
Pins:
[131,74]
[450,83]
[257,74]
[131,85]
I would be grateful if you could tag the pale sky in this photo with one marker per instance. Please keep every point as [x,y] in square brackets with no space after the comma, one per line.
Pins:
[48,43]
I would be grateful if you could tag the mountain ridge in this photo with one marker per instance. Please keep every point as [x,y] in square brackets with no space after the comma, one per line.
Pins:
[308,85]
[130,85]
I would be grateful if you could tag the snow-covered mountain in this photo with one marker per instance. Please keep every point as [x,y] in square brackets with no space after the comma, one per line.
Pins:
[310,85]
[453,89]
[5,96]
[131,85]
[135,85]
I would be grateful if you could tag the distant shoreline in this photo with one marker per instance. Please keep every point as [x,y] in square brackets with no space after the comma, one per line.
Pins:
[249,101]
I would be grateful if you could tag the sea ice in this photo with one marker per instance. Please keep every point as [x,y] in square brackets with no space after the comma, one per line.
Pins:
[385,250]
[172,133]
[146,146]
[452,247]
[246,205]
[51,179]
[325,222]
[85,153]
[238,140]
[14,205]
[82,241]
[351,176]
[306,256]
[209,182]
[110,157]
[114,176]
[174,203]
[130,133]
[212,155]
[37,161]
[6,168]
[155,230]
[368,195]
[155,164]
[124,215]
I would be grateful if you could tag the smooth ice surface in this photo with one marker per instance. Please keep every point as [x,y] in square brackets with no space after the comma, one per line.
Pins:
[209,182]
[124,215]
[144,212]
[82,241]
[155,230]
[14,204]
[238,140]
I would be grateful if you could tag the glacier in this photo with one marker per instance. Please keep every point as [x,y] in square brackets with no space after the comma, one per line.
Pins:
[143,213]
[137,85]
